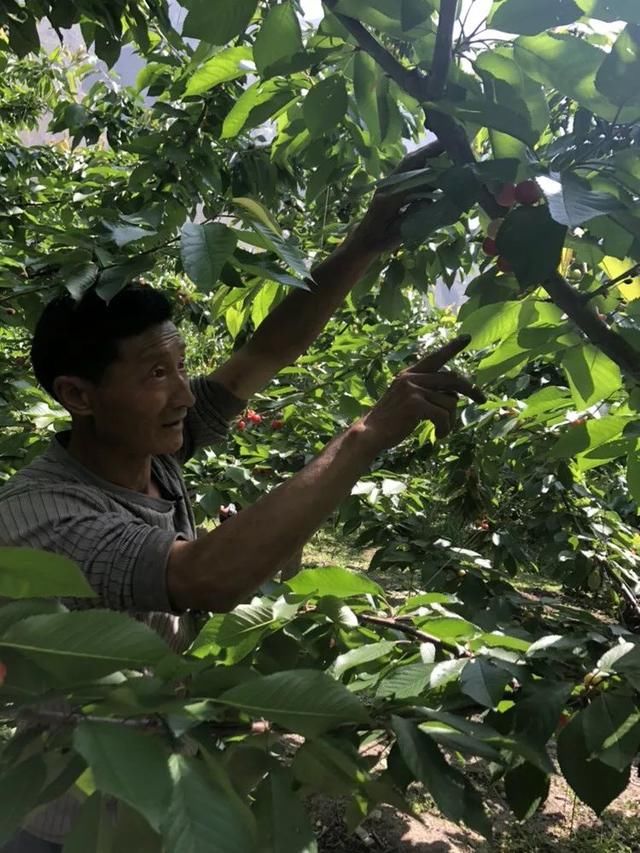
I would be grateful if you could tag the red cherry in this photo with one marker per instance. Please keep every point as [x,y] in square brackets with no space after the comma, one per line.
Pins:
[507,195]
[504,265]
[254,417]
[564,719]
[3,673]
[241,425]
[490,247]
[528,192]
[277,423]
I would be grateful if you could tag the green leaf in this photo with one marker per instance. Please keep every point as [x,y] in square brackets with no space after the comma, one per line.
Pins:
[335,581]
[592,375]
[532,243]
[80,278]
[205,816]
[611,10]
[487,113]
[572,202]
[491,323]
[522,16]
[92,829]
[633,476]
[527,788]
[363,654]
[229,64]
[569,64]
[20,787]
[484,682]
[219,25]
[423,218]
[29,573]
[365,80]
[618,76]
[127,764]
[597,784]
[453,794]
[258,212]
[328,765]
[286,249]
[538,708]
[283,821]
[612,729]
[278,40]
[306,701]
[205,249]
[86,643]
[325,105]
[258,102]
[585,437]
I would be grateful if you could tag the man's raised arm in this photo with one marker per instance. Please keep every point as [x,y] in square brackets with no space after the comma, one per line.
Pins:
[293,325]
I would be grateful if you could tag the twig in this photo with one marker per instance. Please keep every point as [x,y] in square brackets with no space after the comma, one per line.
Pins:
[416,633]
[47,717]
[612,282]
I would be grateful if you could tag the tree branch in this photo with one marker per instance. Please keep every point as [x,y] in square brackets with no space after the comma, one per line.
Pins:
[456,143]
[409,630]
[443,51]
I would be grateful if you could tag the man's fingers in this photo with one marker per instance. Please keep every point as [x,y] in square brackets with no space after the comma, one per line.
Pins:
[438,358]
[448,382]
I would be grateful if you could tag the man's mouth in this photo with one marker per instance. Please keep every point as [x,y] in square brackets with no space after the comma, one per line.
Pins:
[175,424]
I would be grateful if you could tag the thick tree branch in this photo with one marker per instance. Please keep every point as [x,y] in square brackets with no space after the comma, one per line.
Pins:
[452,135]
[439,74]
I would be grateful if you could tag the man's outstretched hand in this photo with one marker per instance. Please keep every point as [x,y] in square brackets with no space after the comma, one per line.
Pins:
[423,392]
[381,227]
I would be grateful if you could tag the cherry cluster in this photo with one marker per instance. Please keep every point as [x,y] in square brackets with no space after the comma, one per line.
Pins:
[252,418]
[526,193]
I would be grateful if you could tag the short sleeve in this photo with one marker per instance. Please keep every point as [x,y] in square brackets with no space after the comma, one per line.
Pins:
[123,558]
[207,421]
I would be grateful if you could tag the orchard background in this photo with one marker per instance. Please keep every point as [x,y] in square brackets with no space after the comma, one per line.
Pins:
[494,643]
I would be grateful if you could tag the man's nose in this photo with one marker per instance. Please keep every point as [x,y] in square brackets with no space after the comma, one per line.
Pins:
[183,395]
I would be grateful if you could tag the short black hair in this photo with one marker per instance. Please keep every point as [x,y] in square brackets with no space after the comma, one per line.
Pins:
[80,337]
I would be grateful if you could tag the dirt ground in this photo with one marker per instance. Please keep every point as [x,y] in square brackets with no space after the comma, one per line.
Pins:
[563,826]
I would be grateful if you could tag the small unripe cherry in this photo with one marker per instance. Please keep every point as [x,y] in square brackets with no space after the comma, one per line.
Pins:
[490,247]
[528,192]
[507,195]
[241,425]
[504,265]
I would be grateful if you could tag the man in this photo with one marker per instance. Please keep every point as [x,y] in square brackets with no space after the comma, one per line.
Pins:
[109,493]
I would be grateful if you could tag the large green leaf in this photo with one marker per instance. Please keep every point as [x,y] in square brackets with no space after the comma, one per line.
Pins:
[86,644]
[341,583]
[592,375]
[612,729]
[205,249]
[526,787]
[20,787]
[92,828]
[279,38]
[572,202]
[329,765]
[325,105]
[205,816]
[29,573]
[569,64]
[130,765]
[633,476]
[484,682]
[583,437]
[219,24]
[506,82]
[283,822]
[258,102]
[453,794]
[361,655]
[497,116]
[532,242]
[611,10]
[227,65]
[597,784]
[306,701]
[366,79]
[618,76]
[522,16]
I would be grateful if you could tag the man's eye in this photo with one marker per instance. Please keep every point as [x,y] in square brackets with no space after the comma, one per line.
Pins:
[182,365]
[158,372]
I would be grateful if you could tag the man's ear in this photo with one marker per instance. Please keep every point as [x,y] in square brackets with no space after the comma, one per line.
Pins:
[75,394]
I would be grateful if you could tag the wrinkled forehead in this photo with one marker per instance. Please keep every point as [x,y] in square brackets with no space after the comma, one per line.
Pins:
[156,342]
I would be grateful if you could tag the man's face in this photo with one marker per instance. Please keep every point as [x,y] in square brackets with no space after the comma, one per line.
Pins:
[142,400]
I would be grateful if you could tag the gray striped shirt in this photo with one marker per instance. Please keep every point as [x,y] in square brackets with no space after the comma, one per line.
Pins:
[120,538]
